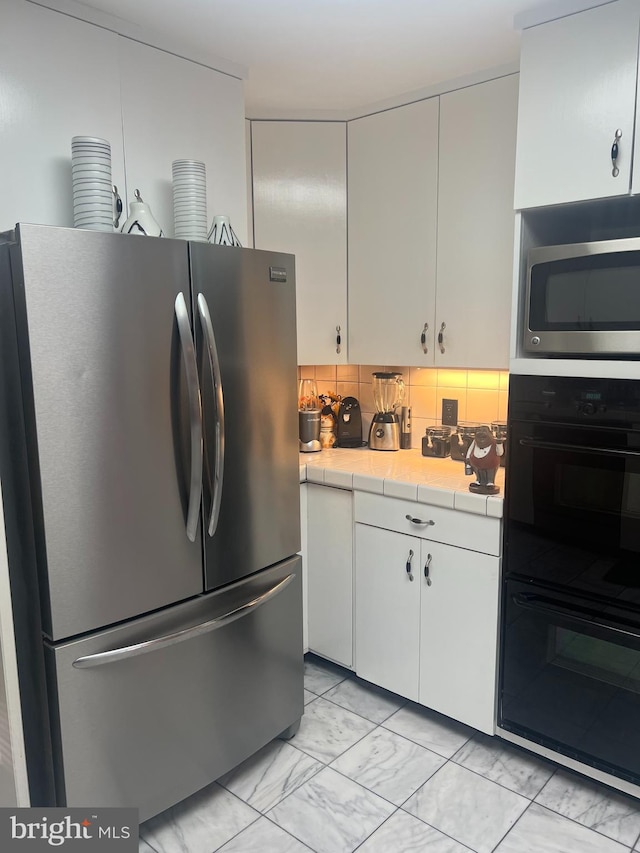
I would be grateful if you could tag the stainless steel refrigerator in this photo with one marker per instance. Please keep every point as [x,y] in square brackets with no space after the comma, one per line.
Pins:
[149,466]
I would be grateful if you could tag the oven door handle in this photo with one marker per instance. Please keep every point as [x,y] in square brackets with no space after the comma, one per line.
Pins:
[576,448]
[541,604]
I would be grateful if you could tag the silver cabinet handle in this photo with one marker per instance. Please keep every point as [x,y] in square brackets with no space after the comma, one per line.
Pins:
[615,152]
[419,521]
[179,636]
[214,364]
[441,337]
[195,414]
[427,566]
[338,339]
[408,565]
[423,338]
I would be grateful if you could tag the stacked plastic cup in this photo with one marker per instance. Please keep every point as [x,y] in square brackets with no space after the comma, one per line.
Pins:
[92,185]
[189,199]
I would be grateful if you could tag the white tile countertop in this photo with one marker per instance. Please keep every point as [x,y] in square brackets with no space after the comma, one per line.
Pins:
[403,474]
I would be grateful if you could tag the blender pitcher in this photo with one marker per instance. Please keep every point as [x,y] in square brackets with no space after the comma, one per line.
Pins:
[308,417]
[388,394]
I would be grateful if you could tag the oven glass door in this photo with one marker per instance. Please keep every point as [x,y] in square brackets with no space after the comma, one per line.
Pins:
[573,509]
[571,677]
[586,293]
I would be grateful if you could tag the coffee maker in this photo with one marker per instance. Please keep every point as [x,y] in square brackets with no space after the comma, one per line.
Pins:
[388,394]
[308,417]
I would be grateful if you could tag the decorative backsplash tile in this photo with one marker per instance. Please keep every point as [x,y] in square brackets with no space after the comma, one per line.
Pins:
[481,394]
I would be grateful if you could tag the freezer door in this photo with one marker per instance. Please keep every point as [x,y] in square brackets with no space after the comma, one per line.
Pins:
[245,320]
[151,712]
[112,411]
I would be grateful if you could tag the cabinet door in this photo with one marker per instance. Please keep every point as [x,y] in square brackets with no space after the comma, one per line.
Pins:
[393,198]
[475,224]
[330,572]
[173,109]
[577,87]
[300,206]
[66,86]
[459,631]
[387,609]
[304,551]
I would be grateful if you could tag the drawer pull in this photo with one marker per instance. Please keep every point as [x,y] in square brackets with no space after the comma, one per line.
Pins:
[408,565]
[426,569]
[113,655]
[419,521]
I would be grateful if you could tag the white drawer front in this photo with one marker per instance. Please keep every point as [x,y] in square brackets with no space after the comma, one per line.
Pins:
[451,527]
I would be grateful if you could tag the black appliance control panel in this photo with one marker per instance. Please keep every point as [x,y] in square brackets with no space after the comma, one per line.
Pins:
[574,399]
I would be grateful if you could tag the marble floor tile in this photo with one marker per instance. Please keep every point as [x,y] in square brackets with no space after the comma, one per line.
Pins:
[263,836]
[309,696]
[542,831]
[327,730]
[403,832]
[504,763]
[610,812]
[429,729]
[473,810]
[268,776]
[199,824]
[365,699]
[331,814]
[389,765]
[144,847]
[320,676]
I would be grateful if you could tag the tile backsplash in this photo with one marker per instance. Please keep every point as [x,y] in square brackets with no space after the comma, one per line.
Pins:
[481,394]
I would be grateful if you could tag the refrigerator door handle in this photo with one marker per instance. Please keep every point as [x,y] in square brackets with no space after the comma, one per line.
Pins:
[214,364]
[136,649]
[195,414]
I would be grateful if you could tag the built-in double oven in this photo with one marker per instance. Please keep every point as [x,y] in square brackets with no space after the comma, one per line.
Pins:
[570,634]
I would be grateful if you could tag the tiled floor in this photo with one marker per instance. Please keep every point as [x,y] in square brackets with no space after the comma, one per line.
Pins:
[370,772]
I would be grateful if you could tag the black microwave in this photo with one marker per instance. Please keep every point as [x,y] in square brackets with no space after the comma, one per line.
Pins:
[583,300]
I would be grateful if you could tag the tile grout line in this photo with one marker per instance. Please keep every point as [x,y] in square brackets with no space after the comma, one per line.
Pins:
[290,834]
[584,825]
[499,784]
[530,800]
[577,823]
[375,722]
[514,824]
[244,803]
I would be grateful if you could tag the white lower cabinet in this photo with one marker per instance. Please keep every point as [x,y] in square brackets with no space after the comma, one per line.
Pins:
[433,638]
[459,633]
[329,573]
[387,610]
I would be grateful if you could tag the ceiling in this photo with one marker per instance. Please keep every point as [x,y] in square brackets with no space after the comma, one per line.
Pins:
[335,55]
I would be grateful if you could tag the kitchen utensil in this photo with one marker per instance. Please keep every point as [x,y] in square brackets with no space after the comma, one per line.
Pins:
[461,439]
[388,393]
[349,426]
[308,416]
[437,442]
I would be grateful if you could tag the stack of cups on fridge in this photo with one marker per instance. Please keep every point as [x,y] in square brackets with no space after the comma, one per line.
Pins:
[92,185]
[189,199]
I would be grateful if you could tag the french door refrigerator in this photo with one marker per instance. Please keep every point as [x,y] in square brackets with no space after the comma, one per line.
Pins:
[149,463]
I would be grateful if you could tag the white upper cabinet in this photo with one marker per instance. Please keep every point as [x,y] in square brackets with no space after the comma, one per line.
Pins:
[173,109]
[58,78]
[61,77]
[475,224]
[300,206]
[577,88]
[393,208]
